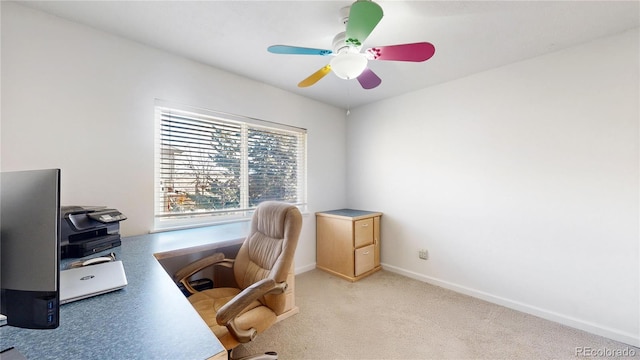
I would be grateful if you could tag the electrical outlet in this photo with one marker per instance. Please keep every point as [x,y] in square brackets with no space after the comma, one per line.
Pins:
[423,254]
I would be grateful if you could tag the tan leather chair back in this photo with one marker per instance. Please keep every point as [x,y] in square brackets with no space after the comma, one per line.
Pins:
[269,249]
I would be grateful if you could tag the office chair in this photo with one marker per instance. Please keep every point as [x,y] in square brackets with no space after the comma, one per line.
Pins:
[237,315]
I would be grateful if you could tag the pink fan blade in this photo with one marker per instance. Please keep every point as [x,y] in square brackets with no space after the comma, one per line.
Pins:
[368,79]
[416,52]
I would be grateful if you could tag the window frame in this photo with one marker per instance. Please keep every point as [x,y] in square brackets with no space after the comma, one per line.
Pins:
[166,221]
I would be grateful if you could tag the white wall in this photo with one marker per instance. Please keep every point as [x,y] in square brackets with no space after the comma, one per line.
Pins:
[522,182]
[83,101]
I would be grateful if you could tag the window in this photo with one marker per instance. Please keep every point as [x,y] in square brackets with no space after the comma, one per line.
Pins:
[213,167]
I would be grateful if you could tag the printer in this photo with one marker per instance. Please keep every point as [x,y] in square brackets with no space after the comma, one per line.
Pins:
[86,230]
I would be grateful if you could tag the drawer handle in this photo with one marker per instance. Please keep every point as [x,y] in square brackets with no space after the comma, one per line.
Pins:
[365,225]
[365,253]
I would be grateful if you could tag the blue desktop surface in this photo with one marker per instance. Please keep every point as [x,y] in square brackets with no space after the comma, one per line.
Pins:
[149,319]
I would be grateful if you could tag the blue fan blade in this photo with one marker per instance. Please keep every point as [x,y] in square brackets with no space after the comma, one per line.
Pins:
[295,50]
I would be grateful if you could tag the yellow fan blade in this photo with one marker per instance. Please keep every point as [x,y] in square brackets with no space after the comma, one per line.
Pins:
[315,77]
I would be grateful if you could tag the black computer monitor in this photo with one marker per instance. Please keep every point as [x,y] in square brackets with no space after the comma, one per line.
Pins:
[30,248]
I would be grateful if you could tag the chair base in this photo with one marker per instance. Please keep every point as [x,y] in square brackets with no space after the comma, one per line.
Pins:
[269,355]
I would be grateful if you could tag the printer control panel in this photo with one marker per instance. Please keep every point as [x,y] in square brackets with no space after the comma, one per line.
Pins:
[107,216]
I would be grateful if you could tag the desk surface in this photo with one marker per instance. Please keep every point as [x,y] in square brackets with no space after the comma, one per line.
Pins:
[148,319]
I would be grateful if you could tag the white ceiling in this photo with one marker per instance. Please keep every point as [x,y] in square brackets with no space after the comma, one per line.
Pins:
[469,36]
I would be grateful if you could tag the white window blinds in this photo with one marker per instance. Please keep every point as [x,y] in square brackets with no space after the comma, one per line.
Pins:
[215,167]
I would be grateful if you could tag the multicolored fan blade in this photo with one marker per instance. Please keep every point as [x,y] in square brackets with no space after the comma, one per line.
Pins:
[364,15]
[295,50]
[368,79]
[417,52]
[315,77]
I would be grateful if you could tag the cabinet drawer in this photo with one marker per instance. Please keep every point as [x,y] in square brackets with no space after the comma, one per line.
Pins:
[363,232]
[364,259]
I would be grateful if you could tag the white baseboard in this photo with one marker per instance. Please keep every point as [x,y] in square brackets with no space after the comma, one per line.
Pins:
[305,268]
[614,334]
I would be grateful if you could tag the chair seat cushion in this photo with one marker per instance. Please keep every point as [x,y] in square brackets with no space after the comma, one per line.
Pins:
[208,302]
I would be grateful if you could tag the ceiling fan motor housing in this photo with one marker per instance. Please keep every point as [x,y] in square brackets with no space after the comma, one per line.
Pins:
[340,45]
[348,62]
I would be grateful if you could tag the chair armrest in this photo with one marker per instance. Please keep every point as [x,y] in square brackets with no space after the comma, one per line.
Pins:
[182,276]
[227,314]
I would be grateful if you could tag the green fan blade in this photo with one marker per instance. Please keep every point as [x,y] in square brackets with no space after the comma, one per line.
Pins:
[363,18]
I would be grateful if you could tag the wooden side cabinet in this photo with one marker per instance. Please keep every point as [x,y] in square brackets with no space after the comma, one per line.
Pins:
[348,242]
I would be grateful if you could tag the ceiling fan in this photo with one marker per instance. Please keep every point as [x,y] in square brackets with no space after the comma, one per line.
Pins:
[348,61]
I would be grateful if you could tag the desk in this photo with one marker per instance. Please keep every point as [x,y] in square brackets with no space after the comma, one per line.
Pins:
[149,319]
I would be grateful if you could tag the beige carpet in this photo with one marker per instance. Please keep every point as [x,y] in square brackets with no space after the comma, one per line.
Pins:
[388,316]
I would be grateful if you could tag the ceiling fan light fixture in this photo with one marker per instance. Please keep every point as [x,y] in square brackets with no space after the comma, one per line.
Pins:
[349,65]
